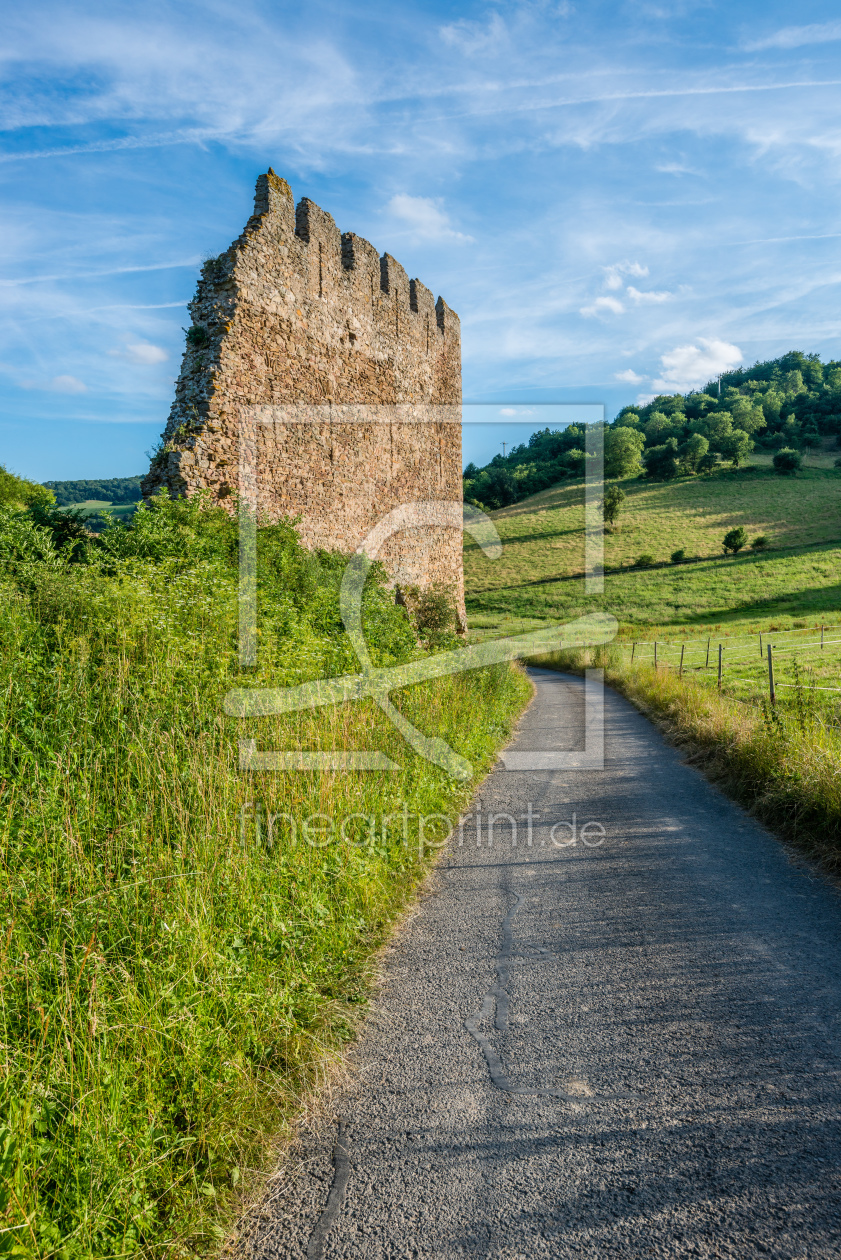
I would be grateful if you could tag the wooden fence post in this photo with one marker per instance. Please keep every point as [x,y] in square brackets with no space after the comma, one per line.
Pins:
[821,638]
[633,649]
[708,655]
[719,667]
[682,650]
[761,653]
[771,690]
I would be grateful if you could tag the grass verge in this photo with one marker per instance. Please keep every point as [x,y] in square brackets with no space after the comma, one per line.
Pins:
[183,943]
[783,763]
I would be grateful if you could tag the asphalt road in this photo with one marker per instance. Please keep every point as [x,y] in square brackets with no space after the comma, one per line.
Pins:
[625,1049]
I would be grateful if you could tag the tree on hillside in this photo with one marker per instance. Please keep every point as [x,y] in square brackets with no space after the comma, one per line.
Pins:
[622,450]
[693,451]
[747,415]
[613,500]
[734,540]
[736,447]
[660,427]
[697,405]
[715,426]
[661,462]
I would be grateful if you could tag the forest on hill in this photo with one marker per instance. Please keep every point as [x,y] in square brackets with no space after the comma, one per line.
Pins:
[782,405]
[105,490]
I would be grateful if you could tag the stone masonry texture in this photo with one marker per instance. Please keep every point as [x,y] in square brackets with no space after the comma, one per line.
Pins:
[352,373]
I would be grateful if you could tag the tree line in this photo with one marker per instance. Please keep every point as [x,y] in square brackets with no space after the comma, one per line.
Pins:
[782,405]
[106,490]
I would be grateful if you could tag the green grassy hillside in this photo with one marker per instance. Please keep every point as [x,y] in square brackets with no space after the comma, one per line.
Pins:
[539,576]
[95,507]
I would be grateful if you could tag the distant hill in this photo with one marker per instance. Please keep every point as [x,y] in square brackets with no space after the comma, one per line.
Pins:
[793,401]
[106,490]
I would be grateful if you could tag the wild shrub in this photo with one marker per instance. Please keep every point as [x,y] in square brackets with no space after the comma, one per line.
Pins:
[612,503]
[787,461]
[734,540]
[17,492]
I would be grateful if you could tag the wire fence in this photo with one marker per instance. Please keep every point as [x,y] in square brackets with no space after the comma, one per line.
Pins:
[767,660]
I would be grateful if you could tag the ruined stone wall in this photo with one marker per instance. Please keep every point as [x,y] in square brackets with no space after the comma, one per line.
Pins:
[294,313]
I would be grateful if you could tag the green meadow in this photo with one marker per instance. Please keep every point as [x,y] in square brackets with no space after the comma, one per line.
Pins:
[539,576]
[93,507]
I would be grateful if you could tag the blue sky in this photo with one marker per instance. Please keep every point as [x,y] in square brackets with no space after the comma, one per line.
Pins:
[617,198]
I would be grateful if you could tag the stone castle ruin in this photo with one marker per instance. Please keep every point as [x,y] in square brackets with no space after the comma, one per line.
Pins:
[349,376]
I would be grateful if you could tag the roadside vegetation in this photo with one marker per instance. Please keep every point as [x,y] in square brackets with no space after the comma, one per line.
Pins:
[177,969]
[783,762]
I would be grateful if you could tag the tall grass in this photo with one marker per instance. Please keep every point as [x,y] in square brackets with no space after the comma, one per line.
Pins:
[172,972]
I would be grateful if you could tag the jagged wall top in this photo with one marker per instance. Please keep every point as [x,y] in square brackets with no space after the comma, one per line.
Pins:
[296,312]
[311,224]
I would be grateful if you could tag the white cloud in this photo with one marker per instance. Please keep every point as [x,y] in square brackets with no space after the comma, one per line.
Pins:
[650,296]
[425,217]
[68,385]
[688,367]
[515,411]
[797,36]
[629,375]
[677,168]
[475,37]
[614,273]
[142,352]
[603,304]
